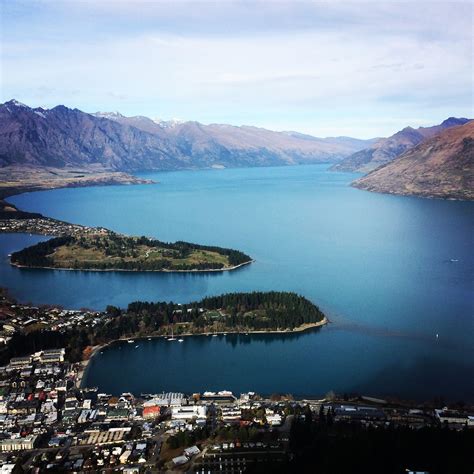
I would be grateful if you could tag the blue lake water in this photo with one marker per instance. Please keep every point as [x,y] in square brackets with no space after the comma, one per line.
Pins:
[391,272]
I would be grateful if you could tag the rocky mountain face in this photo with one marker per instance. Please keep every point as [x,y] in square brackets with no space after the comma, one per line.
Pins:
[63,137]
[387,149]
[441,166]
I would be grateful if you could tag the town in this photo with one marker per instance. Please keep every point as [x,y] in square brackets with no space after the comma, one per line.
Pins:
[47,226]
[50,422]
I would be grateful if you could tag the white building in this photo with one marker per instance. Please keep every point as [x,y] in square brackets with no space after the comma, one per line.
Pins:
[169,399]
[273,419]
[18,444]
[188,412]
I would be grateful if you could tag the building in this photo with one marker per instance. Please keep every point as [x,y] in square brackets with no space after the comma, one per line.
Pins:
[150,412]
[169,399]
[52,355]
[452,417]
[191,451]
[273,419]
[180,460]
[17,444]
[358,413]
[230,414]
[188,412]
[218,397]
[20,361]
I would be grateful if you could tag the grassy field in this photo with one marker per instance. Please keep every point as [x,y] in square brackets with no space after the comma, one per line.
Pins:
[73,254]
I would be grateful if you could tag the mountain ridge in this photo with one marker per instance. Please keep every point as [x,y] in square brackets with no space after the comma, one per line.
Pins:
[61,137]
[440,166]
[387,149]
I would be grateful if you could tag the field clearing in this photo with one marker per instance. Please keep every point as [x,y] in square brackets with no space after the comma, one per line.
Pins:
[71,255]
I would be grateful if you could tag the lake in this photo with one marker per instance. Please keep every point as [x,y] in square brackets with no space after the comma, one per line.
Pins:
[391,273]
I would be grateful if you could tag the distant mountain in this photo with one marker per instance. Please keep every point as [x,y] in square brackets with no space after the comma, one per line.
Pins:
[62,137]
[68,137]
[387,149]
[230,145]
[441,166]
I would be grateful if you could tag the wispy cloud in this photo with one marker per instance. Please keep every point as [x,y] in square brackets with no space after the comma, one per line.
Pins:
[308,66]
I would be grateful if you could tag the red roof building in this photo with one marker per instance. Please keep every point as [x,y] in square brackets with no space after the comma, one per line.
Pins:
[151,412]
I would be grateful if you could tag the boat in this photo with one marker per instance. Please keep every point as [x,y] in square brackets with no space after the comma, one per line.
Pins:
[180,340]
[149,338]
[130,341]
[137,346]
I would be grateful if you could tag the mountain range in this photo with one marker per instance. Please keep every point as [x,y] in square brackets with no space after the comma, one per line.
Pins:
[61,137]
[440,166]
[386,149]
[43,148]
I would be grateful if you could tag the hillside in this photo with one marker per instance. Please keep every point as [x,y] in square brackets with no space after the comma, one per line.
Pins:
[387,149]
[441,167]
[61,138]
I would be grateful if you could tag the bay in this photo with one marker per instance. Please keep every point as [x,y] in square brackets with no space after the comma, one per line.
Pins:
[391,272]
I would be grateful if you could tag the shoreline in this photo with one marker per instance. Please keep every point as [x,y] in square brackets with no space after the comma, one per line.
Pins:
[421,195]
[225,269]
[97,349]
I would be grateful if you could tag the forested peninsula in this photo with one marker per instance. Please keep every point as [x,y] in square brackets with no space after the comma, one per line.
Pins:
[242,313]
[108,250]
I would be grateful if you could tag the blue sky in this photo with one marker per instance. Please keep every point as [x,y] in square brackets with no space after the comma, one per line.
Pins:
[336,68]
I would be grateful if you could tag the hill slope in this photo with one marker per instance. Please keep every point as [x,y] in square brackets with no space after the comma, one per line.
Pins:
[441,166]
[387,149]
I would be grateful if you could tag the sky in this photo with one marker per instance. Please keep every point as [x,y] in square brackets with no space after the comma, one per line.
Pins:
[327,69]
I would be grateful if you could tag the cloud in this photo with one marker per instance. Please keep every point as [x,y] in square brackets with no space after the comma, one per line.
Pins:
[288,65]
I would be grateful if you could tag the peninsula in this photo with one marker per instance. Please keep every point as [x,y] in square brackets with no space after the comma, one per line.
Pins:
[106,250]
[32,328]
[79,247]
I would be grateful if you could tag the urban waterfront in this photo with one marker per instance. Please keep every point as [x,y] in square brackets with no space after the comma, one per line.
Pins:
[394,275]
